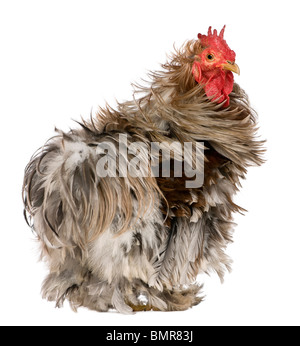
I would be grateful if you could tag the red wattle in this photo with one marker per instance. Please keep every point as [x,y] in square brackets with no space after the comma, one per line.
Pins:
[218,86]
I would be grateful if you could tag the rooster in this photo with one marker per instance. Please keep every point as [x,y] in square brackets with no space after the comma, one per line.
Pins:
[133,242]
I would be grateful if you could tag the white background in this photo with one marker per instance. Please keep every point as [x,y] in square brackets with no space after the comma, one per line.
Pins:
[58,59]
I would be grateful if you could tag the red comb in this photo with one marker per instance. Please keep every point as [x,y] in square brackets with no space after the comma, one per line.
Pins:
[213,40]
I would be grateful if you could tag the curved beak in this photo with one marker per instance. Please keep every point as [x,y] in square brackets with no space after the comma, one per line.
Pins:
[231,66]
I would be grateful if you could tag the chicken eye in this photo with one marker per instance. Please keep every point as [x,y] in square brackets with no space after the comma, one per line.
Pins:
[210,57]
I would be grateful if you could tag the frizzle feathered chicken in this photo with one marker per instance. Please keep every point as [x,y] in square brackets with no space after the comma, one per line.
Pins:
[133,242]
